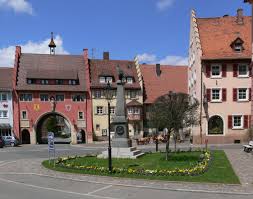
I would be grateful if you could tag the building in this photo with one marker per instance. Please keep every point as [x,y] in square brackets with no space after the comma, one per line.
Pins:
[104,71]
[159,80]
[52,90]
[220,76]
[6,109]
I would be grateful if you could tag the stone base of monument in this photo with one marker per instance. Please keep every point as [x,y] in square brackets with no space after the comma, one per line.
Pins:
[131,153]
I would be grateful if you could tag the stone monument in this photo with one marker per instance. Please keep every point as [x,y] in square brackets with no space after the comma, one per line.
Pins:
[121,144]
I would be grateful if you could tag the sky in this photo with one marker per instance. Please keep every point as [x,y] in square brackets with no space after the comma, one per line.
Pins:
[157,31]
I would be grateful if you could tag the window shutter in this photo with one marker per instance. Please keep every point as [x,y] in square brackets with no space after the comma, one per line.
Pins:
[208,94]
[246,121]
[249,94]
[234,94]
[235,69]
[249,121]
[230,121]
[208,70]
[224,94]
[250,70]
[95,110]
[224,70]
[105,110]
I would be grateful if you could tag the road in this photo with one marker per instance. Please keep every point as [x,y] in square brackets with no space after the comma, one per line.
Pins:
[18,180]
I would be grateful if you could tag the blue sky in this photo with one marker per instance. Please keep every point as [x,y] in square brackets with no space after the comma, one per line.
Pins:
[157,29]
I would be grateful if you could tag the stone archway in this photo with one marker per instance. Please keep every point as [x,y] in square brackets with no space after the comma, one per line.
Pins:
[53,122]
[25,137]
[215,125]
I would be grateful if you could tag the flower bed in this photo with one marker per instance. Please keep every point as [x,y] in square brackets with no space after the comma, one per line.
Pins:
[197,169]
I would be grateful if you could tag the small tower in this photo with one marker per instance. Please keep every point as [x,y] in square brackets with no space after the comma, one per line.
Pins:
[52,45]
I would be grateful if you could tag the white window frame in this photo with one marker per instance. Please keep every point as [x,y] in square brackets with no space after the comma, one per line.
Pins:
[2,114]
[112,110]
[96,92]
[79,115]
[99,110]
[216,76]
[22,115]
[130,80]
[104,132]
[242,121]
[247,69]
[45,95]
[1,97]
[72,98]
[220,95]
[247,95]
[102,79]
[59,95]
[44,82]
[26,94]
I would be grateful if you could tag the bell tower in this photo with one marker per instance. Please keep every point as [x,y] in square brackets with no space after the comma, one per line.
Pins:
[52,45]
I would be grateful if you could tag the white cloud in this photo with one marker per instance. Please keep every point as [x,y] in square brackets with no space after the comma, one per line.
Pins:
[164,4]
[7,54]
[168,60]
[17,5]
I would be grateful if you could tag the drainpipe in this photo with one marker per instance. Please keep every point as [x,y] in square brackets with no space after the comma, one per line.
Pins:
[201,104]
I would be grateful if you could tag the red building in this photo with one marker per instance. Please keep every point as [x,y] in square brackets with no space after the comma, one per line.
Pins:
[52,91]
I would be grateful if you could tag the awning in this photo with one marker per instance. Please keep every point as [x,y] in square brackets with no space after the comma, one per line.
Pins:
[5,126]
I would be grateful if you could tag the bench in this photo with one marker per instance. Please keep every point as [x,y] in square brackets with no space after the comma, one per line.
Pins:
[249,147]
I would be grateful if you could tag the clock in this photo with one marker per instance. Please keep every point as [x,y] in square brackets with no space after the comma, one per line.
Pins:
[120,130]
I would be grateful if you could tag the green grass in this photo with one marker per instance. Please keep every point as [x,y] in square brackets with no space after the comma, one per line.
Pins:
[220,170]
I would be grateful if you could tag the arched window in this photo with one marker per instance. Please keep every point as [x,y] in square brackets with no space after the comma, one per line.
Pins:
[215,125]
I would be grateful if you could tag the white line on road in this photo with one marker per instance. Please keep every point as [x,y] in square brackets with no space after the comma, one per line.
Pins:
[5,163]
[56,190]
[101,189]
[133,186]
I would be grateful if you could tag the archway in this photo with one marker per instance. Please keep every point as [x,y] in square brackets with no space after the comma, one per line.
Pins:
[26,137]
[81,137]
[215,125]
[56,123]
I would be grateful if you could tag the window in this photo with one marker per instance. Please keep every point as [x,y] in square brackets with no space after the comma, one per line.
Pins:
[112,110]
[44,97]
[24,115]
[242,94]
[59,97]
[97,127]
[215,125]
[238,47]
[73,82]
[99,110]
[3,114]
[136,110]
[216,71]
[104,132]
[59,82]
[44,81]
[98,94]
[129,80]
[132,94]
[25,97]
[80,116]
[105,79]
[243,70]
[3,96]
[237,121]
[133,110]
[31,81]
[216,95]
[78,98]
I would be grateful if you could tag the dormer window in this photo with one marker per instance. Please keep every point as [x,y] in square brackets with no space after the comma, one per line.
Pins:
[237,45]
[44,81]
[73,82]
[105,79]
[129,80]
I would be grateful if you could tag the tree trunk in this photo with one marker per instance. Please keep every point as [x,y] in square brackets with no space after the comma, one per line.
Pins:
[167,146]
[175,142]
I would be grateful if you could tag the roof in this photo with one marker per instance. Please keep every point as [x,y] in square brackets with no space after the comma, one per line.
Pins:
[134,103]
[217,34]
[172,78]
[108,68]
[6,78]
[44,66]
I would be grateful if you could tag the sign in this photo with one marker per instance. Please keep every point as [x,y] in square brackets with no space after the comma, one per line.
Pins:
[36,107]
[51,147]
[68,107]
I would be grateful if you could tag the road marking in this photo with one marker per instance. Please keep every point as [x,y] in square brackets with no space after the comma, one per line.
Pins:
[133,186]
[101,189]
[5,163]
[56,190]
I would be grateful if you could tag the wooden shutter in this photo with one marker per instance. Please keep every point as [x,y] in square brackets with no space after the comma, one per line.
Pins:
[224,70]
[234,94]
[249,94]
[224,94]
[208,94]
[235,70]
[249,121]
[246,121]
[208,70]
[230,120]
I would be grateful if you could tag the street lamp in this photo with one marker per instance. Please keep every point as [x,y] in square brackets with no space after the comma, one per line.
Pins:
[108,95]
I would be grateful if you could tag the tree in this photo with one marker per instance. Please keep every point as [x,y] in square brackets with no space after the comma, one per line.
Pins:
[174,111]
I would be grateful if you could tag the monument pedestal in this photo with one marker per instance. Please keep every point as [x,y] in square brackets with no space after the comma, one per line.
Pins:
[117,152]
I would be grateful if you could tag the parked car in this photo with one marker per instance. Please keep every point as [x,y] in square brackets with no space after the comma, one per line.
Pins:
[1,142]
[10,140]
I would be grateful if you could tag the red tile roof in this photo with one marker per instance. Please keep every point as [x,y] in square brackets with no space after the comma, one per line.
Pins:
[217,34]
[172,78]
[6,78]
[108,68]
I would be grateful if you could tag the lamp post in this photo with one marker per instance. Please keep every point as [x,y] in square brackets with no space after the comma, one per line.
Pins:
[109,98]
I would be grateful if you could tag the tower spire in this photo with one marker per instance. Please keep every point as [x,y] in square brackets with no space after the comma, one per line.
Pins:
[52,45]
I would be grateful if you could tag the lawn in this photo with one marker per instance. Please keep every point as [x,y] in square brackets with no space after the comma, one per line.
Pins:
[220,170]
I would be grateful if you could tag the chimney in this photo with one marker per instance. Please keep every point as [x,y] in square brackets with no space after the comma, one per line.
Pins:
[239,17]
[158,70]
[106,55]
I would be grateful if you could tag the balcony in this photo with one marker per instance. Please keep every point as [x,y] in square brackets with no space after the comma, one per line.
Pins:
[134,117]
